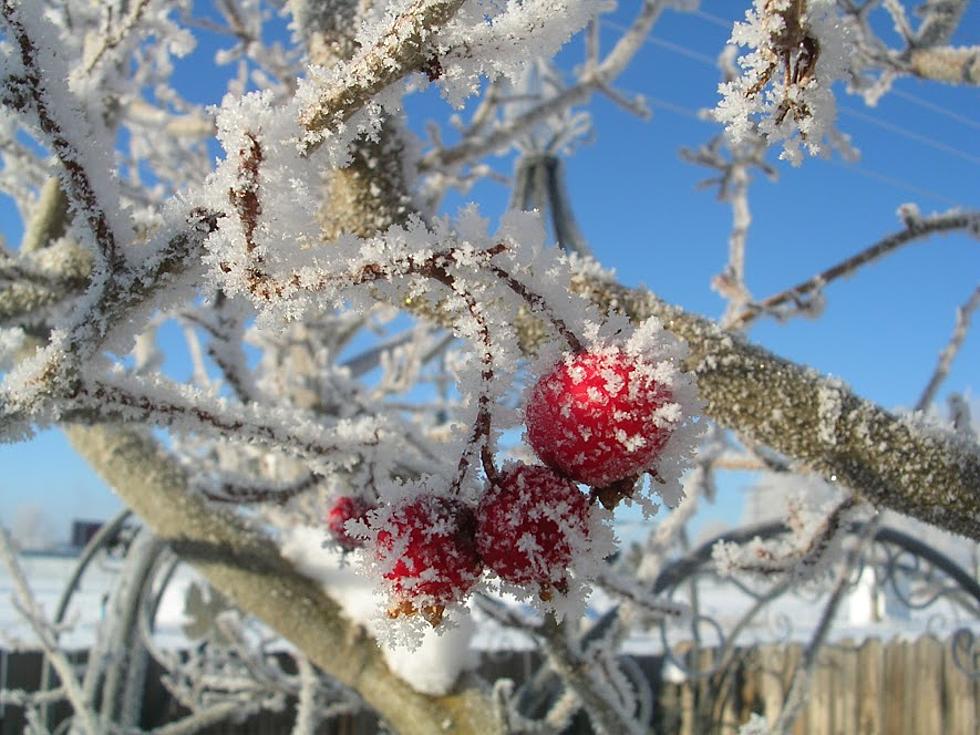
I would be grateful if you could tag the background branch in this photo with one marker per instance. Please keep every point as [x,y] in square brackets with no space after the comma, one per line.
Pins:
[890,461]
[246,566]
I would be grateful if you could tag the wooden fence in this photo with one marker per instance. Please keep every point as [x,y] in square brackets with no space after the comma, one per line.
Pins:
[896,688]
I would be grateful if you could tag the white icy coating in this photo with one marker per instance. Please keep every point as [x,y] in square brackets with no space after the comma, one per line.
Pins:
[757,725]
[289,382]
[11,342]
[745,115]
[829,407]
[807,552]
[488,38]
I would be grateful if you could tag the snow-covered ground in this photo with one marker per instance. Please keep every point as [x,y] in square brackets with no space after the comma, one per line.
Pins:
[793,616]
[48,574]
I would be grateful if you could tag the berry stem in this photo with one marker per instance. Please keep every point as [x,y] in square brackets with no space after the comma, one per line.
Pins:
[482,426]
[539,305]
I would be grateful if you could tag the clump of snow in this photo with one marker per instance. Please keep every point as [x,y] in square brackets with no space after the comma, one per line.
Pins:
[756,725]
[440,656]
[829,406]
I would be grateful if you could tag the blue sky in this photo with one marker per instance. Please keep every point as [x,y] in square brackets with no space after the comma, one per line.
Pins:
[638,206]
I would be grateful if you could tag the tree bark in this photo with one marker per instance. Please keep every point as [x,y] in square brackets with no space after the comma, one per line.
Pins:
[891,461]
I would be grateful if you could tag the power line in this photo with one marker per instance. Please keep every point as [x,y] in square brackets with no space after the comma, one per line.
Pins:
[716,20]
[681,110]
[892,181]
[932,106]
[706,60]
[682,51]
[665,44]
[910,134]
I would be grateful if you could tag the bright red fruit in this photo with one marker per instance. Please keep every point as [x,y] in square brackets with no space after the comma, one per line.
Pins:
[530,523]
[427,551]
[592,417]
[346,508]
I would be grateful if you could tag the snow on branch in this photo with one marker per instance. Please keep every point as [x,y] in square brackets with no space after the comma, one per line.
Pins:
[605,712]
[925,52]
[596,76]
[404,47]
[39,90]
[184,409]
[814,538]
[964,314]
[893,462]
[106,320]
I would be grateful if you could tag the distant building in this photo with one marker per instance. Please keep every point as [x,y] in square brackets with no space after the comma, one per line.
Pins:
[83,531]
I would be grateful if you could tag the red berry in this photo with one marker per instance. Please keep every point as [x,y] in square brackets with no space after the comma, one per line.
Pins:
[427,552]
[592,417]
[346,508]
[530,523]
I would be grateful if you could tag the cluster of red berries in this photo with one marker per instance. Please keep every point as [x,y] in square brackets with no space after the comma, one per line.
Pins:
[591,420]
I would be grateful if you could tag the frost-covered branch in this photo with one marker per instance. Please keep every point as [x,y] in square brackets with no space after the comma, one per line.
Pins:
[197,721]
[595,77]
[964,314]
[916,228]
[606,717]
[228,491]
[891,461]
[111,40]
[25,602]
[626,588]
[306,719]
[925,53]
[806,551]
[53,371]
[402,49]
[33,92]
[796,696]
[177,408]
[49,218]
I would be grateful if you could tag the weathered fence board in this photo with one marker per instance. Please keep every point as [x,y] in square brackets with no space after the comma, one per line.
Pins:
[896,688]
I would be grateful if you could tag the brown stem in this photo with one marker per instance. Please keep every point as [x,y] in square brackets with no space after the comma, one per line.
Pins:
[539,305]
[229,492]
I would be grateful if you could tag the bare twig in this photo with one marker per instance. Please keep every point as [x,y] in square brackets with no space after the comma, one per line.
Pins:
[28,607]
[949,352]
[916,228]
